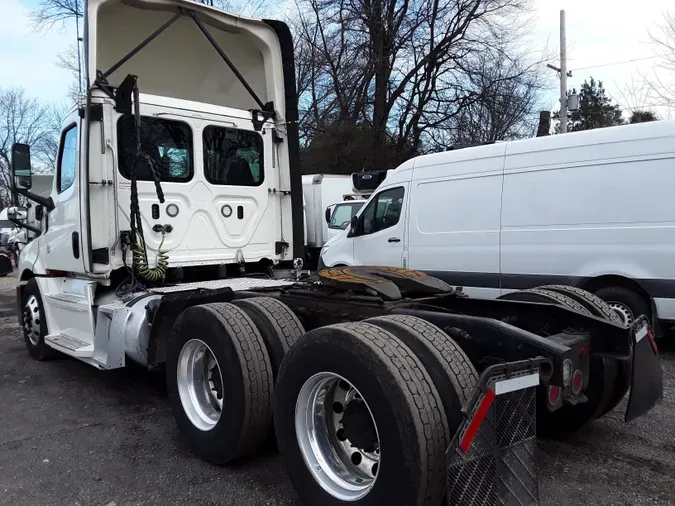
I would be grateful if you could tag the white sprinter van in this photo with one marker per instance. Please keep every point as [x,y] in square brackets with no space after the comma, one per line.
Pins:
[593,209]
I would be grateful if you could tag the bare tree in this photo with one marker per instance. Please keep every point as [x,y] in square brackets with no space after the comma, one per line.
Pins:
[25,120]
[659,82]
[507,91]
[402,70]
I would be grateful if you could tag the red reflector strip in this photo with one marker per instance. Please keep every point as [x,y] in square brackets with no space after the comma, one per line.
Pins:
[475,424]
[653,342]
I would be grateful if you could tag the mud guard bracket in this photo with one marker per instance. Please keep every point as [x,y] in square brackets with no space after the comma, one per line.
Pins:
[491,459]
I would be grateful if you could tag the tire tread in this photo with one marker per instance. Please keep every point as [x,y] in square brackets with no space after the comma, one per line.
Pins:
[256,366]
[415,382]
[593,300]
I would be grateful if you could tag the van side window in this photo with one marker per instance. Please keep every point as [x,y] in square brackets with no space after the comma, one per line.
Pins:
[383,212]
[67,163]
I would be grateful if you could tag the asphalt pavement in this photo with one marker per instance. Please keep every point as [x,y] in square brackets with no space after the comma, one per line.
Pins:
[73,435]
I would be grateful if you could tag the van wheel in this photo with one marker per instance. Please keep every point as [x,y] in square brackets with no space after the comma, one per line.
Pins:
[34,323]
[626,303]
[219,379]
[359,420]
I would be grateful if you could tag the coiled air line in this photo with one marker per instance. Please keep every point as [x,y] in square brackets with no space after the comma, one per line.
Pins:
[140,265]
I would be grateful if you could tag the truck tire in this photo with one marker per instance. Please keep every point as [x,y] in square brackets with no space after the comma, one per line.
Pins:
[277,324]
[592,302]
[568,419]
[342,392]
[627,304]
[602,382]
[450,369]
[34,323]
[551,297]
[603,310]
[217,363]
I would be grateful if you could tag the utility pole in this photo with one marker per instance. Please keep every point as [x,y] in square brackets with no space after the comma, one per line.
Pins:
[563,74]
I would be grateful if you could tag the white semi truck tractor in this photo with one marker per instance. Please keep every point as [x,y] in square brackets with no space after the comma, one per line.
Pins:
[170,239]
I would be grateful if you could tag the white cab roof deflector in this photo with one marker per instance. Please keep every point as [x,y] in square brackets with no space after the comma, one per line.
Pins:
[181,62]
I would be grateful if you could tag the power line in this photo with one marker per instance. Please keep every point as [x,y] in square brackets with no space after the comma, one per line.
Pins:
[616,63]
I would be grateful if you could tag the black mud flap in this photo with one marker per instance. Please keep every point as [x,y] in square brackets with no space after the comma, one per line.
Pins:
[646,389]
[5,264]
[491,459]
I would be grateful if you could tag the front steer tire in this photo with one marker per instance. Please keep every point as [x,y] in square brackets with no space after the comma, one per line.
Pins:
[247,381]
[34,323]
[405,406]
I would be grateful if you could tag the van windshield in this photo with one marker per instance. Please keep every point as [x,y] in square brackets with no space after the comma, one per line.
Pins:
[343,213]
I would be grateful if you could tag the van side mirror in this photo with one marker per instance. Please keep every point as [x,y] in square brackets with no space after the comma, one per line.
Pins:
[21,167]
[328,213]
[17,213]
[353,227]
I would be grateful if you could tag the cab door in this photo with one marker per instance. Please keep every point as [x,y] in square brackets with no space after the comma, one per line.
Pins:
[62,241]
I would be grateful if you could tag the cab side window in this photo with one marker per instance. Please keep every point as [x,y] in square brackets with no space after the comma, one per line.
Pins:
[383,212]
[67,162]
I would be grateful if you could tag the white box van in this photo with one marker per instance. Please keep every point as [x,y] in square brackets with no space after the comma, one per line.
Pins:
[593,209]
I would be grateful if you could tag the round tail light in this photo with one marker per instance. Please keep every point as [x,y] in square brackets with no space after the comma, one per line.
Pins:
[577,382]
[553,395]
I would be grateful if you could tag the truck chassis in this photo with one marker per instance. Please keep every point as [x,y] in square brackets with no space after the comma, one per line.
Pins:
[375,380]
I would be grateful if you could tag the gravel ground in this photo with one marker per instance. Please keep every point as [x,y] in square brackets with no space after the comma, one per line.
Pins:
[72,435]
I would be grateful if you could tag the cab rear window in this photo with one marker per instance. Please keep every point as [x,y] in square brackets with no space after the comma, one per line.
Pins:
[233,157]
[166,143]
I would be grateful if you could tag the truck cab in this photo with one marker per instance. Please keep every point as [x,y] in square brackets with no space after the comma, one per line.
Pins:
[179,163]
[213,141]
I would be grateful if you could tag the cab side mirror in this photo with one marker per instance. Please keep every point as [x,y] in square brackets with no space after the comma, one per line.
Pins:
[328,213]
[21,167]
[39,212]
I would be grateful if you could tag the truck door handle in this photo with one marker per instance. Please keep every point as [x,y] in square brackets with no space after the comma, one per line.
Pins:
[394,239]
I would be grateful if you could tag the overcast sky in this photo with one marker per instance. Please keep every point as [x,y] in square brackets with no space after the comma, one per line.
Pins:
[599,33]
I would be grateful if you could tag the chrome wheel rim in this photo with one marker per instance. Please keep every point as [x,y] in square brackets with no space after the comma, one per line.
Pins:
[327,413]
[623,311]
[32,319]
[200,384]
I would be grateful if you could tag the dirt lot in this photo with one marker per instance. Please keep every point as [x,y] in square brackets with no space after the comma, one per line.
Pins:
[72,435]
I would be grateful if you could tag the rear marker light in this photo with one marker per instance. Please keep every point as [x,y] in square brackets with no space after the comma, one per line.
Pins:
[553,395]
[577,382]
[498,388]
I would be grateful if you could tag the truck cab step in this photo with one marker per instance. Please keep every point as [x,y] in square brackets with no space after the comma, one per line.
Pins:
[70,345]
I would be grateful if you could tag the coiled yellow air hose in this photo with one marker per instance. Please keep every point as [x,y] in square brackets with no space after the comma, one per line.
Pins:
[140,261]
